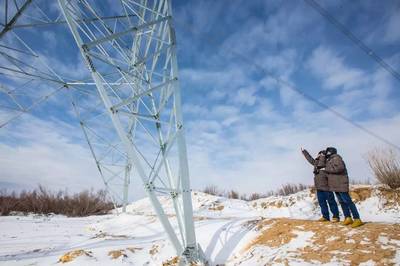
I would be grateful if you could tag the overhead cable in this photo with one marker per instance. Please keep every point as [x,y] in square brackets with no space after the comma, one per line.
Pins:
[293,88]
[357,41]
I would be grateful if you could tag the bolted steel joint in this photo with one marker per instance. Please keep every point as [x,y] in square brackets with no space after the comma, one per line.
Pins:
[173,194]
[149,186]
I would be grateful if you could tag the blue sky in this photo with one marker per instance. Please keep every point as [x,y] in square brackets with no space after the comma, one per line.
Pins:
[244,130]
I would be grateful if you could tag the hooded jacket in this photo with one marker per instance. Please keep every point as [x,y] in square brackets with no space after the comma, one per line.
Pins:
[338,179]
[320,177]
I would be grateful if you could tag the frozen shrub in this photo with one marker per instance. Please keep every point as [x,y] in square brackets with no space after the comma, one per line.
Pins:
[44,201]
[212,190]
[255,196]
[289,189]
[233,194]
[385,165]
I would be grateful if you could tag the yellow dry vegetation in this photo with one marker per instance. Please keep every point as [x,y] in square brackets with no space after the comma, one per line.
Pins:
[331,242]
[115,254]
[217,208]
[175,261]
[392,197]
[154,249]
[360,193]
[171,262]
[70,256]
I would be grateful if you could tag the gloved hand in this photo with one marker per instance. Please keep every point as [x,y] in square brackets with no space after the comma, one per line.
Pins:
[316,171]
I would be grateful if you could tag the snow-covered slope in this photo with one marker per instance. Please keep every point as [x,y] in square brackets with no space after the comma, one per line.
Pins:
[274,230]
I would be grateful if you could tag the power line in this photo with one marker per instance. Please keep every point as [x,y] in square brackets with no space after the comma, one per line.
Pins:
[323,12]
[312,99]
[295,89]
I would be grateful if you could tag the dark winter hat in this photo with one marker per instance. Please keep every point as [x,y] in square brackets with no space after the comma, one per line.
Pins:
[331,150]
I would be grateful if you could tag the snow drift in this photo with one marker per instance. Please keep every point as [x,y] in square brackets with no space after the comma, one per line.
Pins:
[274,230]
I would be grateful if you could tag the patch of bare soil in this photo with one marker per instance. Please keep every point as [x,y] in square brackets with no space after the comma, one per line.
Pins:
[360,193]
[175,261]
[216,206]
[392,197]
[171,262]
[275,235]
[279,202]
[333,242]
[70,256]
[154,249]
[115,254]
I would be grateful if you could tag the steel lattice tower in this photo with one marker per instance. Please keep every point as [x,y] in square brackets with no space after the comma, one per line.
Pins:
[130,108]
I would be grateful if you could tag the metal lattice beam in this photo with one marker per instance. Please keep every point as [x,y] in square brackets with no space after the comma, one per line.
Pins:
[142,100]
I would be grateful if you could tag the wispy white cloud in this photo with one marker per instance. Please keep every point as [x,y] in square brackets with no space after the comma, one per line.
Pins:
[357,89]
[392,31]
[246,96]
[46,152]
[333,71]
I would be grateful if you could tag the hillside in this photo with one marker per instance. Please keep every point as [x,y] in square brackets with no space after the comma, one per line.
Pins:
[270,231]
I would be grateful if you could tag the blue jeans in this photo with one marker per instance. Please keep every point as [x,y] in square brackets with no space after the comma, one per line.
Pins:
[348,206]
[324,197]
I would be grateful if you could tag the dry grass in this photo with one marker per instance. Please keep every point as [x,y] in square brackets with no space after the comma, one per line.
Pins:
[212,190]
[43,201]
[385,165]
[115,254]
[154,250]
[70,256]
[233,194]
[285,190]
[289,189]
[355,246]
[360,194]
[254,196]
[171,262]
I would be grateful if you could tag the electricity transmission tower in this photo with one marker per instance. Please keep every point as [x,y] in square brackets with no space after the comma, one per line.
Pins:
[130,106]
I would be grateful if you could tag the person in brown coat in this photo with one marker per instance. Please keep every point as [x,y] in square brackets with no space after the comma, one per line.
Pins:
[324,195]
[338,182]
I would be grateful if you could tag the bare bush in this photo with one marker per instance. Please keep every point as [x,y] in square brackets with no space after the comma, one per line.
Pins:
[7,202]
[244,197]
[233,194]
[43,201]
[289,189]
[212,190]
[285,190]
[254,196]
[385,165]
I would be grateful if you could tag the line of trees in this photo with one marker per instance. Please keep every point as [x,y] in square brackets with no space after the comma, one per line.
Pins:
[43,201]
[285,190]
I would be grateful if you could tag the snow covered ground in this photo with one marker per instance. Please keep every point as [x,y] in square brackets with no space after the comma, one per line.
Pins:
[275,230]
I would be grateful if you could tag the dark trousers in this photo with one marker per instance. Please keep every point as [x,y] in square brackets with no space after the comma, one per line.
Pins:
[348,206]
[325,197]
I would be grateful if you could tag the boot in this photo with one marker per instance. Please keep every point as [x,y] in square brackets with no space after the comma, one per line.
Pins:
[356,223]
[347,221]
[335,219]
[323,219]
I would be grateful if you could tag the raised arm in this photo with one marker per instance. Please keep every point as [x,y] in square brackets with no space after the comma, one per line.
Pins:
[308,157]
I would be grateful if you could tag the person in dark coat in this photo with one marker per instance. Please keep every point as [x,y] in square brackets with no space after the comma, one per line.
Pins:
[324,195]
[338,182]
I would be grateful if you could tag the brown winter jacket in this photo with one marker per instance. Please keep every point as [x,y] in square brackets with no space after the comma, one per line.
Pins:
[320,177]
[338,179]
